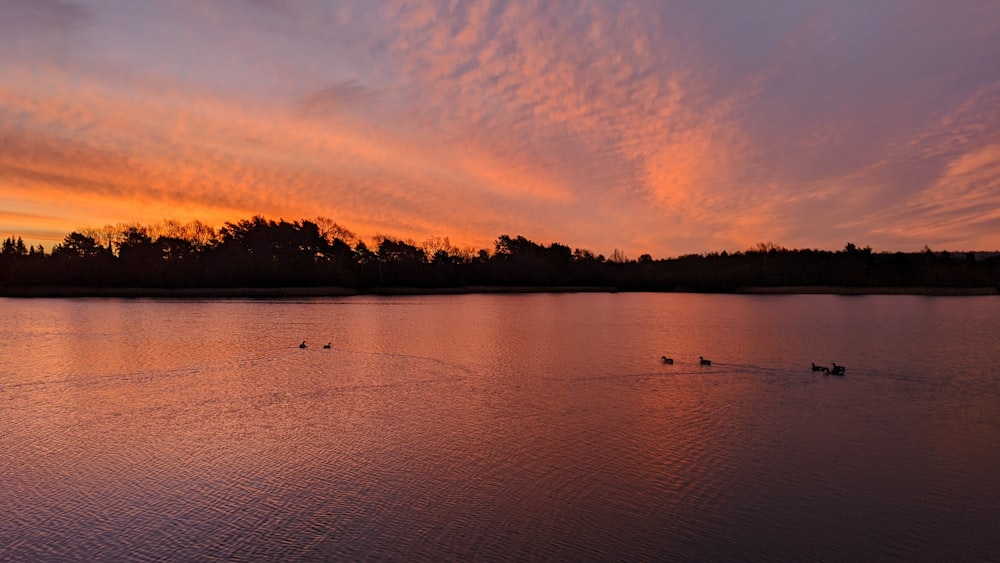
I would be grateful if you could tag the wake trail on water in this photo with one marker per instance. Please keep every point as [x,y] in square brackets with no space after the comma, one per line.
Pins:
[694,369]
[399,356]
[142,375]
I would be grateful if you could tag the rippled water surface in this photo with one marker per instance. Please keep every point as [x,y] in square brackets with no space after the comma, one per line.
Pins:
[485,427]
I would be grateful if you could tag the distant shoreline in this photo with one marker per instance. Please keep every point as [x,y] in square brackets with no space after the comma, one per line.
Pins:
[836,290]
[302,292]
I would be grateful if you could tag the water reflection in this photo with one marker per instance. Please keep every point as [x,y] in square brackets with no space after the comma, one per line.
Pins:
[499,427]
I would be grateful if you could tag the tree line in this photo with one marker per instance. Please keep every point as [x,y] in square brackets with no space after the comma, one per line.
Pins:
[258,252]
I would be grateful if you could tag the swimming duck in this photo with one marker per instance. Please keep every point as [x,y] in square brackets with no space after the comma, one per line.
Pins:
[327,345]
[704,362]
[667,360]
[303,345]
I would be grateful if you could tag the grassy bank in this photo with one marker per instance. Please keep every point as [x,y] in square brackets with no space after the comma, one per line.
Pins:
[273,292]
[178,293]
[293,292]
[834,290]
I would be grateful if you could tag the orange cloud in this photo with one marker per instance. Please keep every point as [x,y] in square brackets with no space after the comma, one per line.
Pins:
[643,127]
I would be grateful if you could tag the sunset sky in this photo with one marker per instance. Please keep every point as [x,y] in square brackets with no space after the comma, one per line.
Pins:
[646,126]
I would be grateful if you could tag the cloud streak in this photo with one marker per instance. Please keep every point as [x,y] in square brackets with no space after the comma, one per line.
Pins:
[654,127]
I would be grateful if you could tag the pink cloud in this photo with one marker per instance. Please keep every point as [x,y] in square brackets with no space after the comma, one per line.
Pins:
[662,128]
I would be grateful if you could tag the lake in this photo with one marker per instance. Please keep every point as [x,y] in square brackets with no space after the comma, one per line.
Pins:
[500,427]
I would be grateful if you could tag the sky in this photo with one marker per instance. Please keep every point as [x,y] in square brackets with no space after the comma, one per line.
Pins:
[646,126]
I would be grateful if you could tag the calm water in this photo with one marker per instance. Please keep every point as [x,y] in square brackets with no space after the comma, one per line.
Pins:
[487,427]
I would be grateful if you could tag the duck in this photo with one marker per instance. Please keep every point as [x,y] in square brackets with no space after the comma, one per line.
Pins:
[667,360]
[704,362]
[303,345]
[820,368]
[327,345]
[837,370]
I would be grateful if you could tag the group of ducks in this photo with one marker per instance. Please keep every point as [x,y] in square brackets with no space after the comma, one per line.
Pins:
[835,370]
[701,361]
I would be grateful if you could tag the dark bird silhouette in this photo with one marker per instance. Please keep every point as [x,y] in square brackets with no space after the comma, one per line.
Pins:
[704,362]
[667,360]
[327,345]
[820,368]
[837,370]
[303,345]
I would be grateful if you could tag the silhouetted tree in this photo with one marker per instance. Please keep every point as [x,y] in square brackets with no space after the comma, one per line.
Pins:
[12,247]
[261,252]
[77,246]
[400,252]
